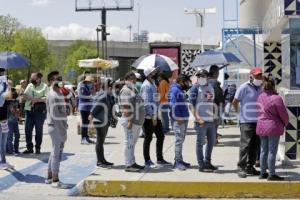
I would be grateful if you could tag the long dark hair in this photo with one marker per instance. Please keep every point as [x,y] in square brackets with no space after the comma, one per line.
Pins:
[163,76]
[269,83]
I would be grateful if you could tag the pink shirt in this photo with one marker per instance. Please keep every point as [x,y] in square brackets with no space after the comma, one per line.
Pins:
[272,114]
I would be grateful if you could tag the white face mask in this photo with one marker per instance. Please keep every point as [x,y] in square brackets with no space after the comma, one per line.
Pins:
[257,82]
[202,81]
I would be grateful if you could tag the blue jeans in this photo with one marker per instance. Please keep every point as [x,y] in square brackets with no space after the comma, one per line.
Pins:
[13,144]
[165,118]
[130,139]
[269,147]
[208,130]
[3,140]
[180,132]
[34,120]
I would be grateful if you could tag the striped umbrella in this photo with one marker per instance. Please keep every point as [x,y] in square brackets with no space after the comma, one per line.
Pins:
[162,63]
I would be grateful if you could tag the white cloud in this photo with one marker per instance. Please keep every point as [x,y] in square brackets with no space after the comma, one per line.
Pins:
[75,31]
[40,2]
[161,37]
[71,32]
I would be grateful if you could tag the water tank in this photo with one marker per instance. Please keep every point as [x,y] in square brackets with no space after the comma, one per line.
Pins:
[252,12]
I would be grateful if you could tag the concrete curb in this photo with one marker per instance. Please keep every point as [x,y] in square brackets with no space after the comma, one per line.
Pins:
[191,189]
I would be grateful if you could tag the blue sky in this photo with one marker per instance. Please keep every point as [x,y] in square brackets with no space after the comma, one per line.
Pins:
[164,19]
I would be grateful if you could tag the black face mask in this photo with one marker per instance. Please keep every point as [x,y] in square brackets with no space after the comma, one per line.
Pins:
[34,82]
[58,80]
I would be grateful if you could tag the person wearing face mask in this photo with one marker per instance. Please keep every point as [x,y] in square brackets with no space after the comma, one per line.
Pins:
[4,129]
[86,92]
[152,122]
[180,116]
[219,97]
[163,89]
[35,95]
[202,106]
[245,102]
[57,128]
[101,116]
[133,117]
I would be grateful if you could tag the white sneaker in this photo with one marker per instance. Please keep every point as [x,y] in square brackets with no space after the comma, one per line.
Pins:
[84,141]
[48,181]
[3,166]
[60,185]
[9,166]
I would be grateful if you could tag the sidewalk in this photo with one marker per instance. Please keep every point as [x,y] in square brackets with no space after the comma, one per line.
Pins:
[79,162]
[167,182]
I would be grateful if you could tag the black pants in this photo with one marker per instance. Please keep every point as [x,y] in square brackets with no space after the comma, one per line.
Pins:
[84,123]
[250,145]
[101,135]
[158,130]
[34,119]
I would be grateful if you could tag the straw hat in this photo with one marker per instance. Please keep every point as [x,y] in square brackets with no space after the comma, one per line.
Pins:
[89,79]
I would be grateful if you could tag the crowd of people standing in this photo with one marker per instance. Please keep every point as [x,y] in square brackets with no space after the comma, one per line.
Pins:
[147,102]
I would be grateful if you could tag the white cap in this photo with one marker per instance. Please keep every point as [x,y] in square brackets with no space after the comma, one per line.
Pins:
[137,75]
[148,71]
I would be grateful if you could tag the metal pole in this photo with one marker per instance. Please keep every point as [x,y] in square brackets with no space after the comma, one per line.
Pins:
[254,47]
[201,31]
[139,15]
[98,53]
[103,18]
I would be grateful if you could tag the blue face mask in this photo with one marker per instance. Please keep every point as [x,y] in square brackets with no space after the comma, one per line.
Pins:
[90,86]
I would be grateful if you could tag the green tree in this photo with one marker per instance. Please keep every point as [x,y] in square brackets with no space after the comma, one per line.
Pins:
[8,27]
[31,43]
[78,51]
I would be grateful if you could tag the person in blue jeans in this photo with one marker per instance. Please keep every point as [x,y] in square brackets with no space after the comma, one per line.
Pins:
[13,125]
[3,120]
[180,115]
[201,97]
[12,145]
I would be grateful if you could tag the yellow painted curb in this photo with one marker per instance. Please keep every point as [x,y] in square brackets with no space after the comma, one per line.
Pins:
[192,189]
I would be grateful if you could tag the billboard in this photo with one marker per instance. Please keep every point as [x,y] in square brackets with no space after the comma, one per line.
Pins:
[172,53]
[171,50]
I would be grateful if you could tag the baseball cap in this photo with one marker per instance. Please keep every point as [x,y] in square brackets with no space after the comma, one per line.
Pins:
[202,73]
[148,71]
[182,77]
[256,71]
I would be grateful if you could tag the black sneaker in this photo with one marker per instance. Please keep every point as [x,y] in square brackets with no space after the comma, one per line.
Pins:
[210,166]
[37,151]
[28,151]
[103,165]
[263,176]
[90,141]
[108,163]
[139,166]
[242,173]
[252,171]
[132,168]
[275,178]
[163,162]
[205,168]
[186,164]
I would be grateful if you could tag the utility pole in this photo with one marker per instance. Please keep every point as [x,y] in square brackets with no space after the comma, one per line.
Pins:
[130,28]
[103,8]
[200,15]
[98,30]
[139,21]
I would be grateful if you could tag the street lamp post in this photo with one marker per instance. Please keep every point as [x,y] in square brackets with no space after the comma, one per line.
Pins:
[200,14]
[98,51]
